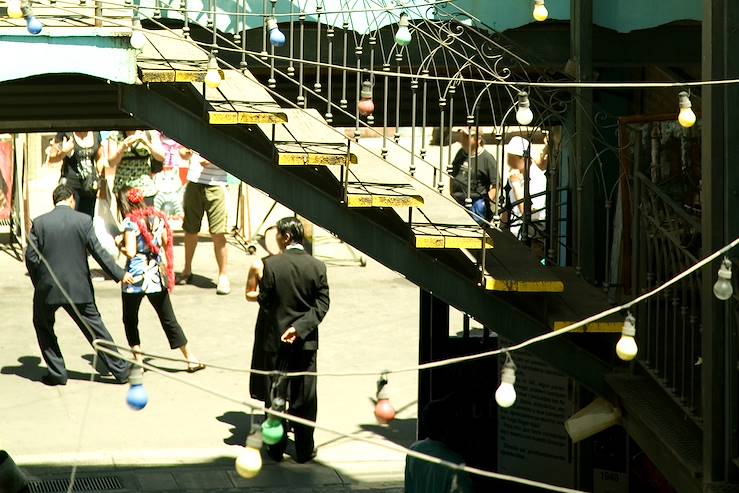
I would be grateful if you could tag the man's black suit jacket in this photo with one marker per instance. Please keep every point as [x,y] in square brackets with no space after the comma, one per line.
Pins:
[64,236]
[294,293]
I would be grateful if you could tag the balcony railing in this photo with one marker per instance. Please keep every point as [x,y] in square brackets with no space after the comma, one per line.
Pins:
[666,241]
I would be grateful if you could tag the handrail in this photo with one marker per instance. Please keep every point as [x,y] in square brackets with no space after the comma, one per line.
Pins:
[691,220]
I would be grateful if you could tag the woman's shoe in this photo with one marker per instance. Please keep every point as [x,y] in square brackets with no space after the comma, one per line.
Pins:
[193,367]
[182,280]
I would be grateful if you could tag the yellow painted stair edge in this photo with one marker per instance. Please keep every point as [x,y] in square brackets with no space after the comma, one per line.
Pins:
[245,117]
[492,284]
[592,327]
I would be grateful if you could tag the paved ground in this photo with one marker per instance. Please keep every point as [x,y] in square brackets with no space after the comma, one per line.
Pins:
[372,325]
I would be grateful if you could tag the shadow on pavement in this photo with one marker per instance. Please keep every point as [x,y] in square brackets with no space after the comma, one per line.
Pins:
[201,282]
[13,250]
[31,369]
[400,431]
[241,424]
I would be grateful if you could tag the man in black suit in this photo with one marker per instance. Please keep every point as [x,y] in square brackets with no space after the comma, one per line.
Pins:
[294,294]
[56,258]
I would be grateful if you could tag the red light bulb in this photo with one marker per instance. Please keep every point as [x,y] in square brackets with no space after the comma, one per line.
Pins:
[384,411]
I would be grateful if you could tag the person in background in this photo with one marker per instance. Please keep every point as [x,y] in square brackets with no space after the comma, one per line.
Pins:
[205,193]
[168,183]
[147,244]
[519,152]
[260,360]
[133,153]
[294,295]
[483,183]
[83,162]
[56,258]
[427,477]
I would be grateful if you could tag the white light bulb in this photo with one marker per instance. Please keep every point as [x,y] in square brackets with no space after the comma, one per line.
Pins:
[505,396]
[723,289]
[524,115]
[138,40]
[686,118]
[626,348]
[249,463]
[212,76]
[15,10]
[403,35]
[540,11]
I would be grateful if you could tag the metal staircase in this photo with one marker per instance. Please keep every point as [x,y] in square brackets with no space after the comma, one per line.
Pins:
[297,157]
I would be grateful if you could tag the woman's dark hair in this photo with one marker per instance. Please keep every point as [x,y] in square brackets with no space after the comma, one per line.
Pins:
[61,192]
[293,227]
[125,207]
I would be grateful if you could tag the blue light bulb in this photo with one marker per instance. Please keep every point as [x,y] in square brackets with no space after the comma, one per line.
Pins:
[33,25]
[137,397]
[276,37]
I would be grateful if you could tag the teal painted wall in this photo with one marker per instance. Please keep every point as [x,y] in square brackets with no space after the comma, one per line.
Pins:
[26,56]
[620,15]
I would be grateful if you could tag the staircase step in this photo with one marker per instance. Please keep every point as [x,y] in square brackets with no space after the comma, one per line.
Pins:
[442,223]
[173,59]
[240,99]
[510,266]
[306,139]
[578,301]
[672,440]
[373,182]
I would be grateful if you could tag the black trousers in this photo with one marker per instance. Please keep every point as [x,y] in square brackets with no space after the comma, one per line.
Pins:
[85,202]
[163,306]
[302,399]
[44,317]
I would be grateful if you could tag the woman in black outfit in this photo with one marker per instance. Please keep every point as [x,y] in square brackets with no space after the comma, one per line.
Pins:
[84,159]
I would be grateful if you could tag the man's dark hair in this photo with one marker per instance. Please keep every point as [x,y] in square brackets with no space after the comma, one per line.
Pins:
[62,192]
[438,417]
[293,227]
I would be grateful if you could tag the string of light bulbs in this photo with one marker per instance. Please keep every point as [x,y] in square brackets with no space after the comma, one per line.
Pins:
[723,290]
[249,463]
[524,115]
[246,464]
[429,77]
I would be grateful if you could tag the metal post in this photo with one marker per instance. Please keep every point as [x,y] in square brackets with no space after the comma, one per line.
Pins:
[330,36]
[433,334]
[301,97]
[720,181]
[317,85]
[582,53]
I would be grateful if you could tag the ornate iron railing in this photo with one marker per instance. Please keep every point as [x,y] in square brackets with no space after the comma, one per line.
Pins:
[666,241]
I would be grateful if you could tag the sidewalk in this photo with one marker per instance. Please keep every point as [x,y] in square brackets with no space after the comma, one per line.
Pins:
[185,439]
[217,477]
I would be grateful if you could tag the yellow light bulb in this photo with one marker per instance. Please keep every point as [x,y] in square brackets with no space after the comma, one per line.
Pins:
[540,11]
[213,76]
[15,10]
[686,118]
[626,348]
[249,463]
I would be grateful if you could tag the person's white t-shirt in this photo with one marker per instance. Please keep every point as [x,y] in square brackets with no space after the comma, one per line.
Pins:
[205,175]
[537,184]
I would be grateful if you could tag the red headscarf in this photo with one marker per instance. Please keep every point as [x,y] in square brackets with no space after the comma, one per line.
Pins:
[140,216]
